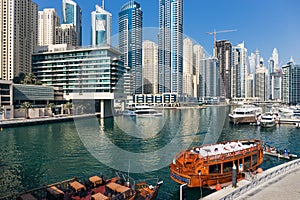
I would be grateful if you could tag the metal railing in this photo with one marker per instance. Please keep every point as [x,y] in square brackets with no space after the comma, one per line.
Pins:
[270,174]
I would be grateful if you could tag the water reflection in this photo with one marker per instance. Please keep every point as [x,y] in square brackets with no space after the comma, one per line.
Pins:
[38,155]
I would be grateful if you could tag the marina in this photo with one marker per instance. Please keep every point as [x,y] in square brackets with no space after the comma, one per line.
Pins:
[54,152]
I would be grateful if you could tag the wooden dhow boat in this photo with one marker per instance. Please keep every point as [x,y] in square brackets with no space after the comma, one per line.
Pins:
[209,165]
[95,188]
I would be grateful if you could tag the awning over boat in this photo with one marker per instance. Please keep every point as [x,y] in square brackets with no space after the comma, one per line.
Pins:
[99,196]
[117,187]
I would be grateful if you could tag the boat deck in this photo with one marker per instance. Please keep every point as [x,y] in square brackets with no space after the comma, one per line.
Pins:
[217,149]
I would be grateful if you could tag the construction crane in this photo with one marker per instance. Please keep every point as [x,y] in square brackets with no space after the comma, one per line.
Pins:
[215,37]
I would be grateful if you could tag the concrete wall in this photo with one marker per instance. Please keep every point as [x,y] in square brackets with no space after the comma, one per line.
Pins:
[106,108]
[33,113]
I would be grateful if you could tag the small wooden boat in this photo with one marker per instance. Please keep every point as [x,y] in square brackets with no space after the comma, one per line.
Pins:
[209,165]
[95,188]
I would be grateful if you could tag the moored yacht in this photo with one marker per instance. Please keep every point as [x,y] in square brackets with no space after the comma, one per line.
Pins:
[146,111]
[268,120]
[245,114]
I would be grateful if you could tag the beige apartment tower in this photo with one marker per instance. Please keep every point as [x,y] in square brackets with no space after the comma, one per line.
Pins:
[19,27]
[150,67]
[48,21]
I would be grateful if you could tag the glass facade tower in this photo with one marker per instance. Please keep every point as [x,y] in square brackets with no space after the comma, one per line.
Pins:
[72,14]
[170,46]
[130,44]
[101,26]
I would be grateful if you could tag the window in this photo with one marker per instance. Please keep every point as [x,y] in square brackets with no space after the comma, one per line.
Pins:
[215,169]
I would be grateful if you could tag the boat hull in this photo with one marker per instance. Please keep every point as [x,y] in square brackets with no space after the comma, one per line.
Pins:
[205,181]
[267,124]
[242,119]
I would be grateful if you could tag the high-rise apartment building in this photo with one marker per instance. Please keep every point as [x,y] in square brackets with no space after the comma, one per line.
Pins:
[262,82]
[199,54]
[223,54]
[150,67]
[209,78]
[18,38]
[252,63]
[170,46]
[47,23]
[130,44]
[275,85]
[101,26]
[291,83]
[275,58]
[72,14]
[66,34]
[188,74]
[250,86]
[239,71]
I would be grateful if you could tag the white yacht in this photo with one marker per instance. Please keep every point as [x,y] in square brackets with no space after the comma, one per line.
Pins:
[128,112]
[267,119]
[245,114]
[146,111]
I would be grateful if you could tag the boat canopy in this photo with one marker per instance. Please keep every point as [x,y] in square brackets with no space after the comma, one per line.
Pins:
[217,149]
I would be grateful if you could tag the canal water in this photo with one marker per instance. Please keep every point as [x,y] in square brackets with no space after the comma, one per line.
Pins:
[32,156]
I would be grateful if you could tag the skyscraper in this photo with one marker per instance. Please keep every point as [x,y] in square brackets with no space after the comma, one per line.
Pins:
[252,63]
[150,67]
[223,54]
[199,54]
[101,26]
[239,71]
[275,58]
[187,85]
[72,14]
[19,29]
[170,46]
[209,78]
[262,82]
[48,21]
[291,83]
[66,34]
[130,44]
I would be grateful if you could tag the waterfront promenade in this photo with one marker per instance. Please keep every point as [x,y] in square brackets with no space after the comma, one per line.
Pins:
[44,120]
[277,183]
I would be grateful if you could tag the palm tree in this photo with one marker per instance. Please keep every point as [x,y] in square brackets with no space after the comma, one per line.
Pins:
[31,79]
[26,106]
[52,107]
[68,106]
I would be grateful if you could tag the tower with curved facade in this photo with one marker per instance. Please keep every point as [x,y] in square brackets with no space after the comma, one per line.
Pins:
[130,45]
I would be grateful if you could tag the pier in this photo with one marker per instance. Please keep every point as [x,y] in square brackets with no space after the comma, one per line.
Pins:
[280,182]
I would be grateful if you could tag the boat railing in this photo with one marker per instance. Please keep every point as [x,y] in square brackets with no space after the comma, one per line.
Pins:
[223,156]
[267,176]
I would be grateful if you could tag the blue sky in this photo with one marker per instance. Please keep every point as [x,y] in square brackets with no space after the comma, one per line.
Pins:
[261,24]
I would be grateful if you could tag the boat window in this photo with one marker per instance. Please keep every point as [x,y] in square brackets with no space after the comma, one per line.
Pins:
[227,166]
[215,169]
[254,159]
[247,162]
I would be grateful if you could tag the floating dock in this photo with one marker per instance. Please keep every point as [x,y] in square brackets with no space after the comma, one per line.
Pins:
[285,156]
